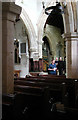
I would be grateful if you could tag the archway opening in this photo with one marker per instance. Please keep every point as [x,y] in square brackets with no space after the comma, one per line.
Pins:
[45,53]
[21,50]
[55,18]
[53,29]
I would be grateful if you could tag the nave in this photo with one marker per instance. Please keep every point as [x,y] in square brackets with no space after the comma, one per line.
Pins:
[36,42]
[42,97]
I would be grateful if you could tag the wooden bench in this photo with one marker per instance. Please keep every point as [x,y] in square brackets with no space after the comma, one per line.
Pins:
[62,86]
[13,106]
[37,99]
[53,87]
[7,106]
[62,89]
[49,76]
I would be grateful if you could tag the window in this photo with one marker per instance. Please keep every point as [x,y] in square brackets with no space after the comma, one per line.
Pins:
[23,47]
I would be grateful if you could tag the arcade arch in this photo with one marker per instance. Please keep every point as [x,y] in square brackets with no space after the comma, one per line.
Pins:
[70,35]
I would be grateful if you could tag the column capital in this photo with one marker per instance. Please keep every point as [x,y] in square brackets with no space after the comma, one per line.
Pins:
[10,11]
[40,42]
[70,35]
[32,49]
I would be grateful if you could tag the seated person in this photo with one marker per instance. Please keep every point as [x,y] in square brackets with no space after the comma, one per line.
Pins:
[52,68]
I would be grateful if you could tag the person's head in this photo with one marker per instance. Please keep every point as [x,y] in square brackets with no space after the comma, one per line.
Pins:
[56,58]
[60,59]
[53,61]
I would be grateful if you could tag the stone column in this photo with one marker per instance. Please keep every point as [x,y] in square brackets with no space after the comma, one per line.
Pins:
[24,65]
[10,12]
[77,15]
[72,55]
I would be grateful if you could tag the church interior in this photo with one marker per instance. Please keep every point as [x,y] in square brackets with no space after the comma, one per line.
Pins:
[32,34]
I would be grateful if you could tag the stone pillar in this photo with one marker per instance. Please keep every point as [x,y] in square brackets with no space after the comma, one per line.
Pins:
[72,55]
[24,65]
[77,15]
[10,12]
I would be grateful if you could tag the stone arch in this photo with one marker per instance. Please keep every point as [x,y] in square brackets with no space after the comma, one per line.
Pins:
[46,53]
[54,40]
[30,29]
[68,19]
[40,25]
[31,35]
[49,41]
[71,37]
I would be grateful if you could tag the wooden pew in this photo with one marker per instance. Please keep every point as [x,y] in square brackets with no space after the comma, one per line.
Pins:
[7,106]
[13,106]
[53,87]
[66,86]
[48,76]
[43,75]
[37,99]
[76,93]
[28,89]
